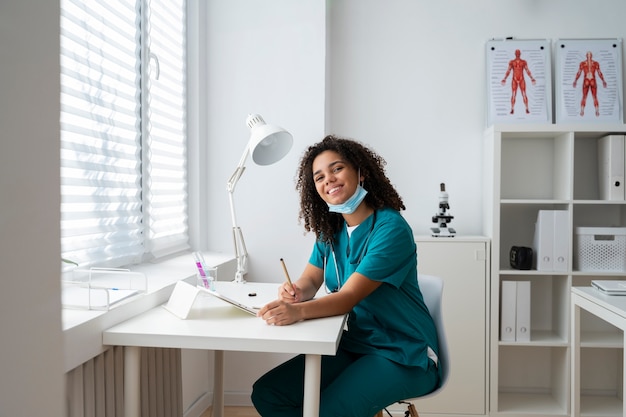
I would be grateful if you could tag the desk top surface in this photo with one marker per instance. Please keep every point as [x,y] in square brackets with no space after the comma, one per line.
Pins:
[613,303]
[213,324]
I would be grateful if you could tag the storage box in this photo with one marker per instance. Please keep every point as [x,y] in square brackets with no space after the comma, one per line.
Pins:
[600,249]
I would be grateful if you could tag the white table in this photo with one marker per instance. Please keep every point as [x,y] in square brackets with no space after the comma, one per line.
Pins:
[611,309]
[214,325]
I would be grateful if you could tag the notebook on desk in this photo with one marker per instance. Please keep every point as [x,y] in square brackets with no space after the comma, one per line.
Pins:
[247,297]
[610,287]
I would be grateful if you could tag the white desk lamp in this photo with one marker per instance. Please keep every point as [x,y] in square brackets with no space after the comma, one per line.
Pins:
[268,144]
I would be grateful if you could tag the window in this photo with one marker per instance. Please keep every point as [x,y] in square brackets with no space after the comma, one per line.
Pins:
[123,131]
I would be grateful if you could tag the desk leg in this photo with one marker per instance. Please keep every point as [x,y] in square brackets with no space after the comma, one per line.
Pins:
[312,379]
[132,381]
[218,384]
[575,360]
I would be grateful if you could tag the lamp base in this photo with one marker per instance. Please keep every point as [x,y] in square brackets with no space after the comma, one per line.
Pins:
[239,278]
[241,254]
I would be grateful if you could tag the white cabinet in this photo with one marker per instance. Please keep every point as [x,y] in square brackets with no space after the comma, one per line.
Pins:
[462,263]
[548,167]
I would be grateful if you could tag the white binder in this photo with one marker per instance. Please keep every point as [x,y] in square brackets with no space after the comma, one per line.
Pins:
[543,242]
[611,167]
[508,300]
[522,310]
[560,257]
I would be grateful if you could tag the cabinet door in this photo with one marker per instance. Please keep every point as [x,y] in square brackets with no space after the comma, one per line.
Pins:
[463,267]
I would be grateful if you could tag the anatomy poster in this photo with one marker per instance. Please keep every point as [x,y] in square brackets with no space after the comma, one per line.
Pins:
[588,80]
[518,81]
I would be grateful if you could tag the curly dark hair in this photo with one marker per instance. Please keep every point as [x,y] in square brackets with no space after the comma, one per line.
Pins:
[314,210]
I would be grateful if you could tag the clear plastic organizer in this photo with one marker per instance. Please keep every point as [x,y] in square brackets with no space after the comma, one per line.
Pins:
[101,288]
[601,249]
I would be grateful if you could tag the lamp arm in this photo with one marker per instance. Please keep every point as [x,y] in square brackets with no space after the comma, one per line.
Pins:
[241,253]
[234,178]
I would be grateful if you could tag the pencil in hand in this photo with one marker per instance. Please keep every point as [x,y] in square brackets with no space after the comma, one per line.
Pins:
[287,274]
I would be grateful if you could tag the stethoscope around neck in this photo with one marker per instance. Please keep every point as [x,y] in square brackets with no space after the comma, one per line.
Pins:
[330,246]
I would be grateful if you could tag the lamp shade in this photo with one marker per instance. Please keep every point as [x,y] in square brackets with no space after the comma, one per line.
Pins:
[268,143]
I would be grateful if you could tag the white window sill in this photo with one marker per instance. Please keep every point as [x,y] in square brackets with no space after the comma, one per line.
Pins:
[82,329]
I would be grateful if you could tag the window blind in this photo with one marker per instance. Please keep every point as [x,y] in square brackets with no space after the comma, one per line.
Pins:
[166,205]
[123,153]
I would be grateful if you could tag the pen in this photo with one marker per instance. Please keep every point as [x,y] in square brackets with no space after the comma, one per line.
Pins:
[287,274]
[198,259]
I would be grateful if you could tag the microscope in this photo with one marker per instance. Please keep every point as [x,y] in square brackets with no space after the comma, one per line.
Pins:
[441,217]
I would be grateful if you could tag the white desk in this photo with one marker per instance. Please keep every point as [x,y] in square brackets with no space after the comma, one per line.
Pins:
[611,309]
[215,325]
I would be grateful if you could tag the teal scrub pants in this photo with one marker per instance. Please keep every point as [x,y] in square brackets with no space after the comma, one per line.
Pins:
[352,385]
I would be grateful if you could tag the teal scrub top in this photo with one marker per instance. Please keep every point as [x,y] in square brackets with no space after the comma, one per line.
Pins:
[393,321]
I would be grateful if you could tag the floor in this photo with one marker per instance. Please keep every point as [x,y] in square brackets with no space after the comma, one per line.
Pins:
[234,412]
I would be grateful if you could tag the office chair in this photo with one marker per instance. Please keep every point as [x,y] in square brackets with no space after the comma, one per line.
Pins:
[432,290]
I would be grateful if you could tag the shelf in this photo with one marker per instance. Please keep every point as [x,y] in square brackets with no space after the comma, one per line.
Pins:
[599,274]
[530,201]
[531,377]
[601,379]
[549,167]
[532,272]
[599,202]
[600,406]
[542,130]
[540,338]
[605,339]
[530,403]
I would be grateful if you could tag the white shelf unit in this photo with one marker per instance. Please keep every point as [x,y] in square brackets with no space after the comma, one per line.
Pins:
[548,167]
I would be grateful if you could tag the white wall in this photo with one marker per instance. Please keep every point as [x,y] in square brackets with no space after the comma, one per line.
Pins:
[265,57]
[31,360]
[405,76]
[408,77]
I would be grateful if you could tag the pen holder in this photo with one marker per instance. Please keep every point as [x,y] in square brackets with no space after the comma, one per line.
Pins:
[208,280]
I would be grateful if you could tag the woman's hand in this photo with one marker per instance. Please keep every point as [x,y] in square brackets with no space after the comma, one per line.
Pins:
[280,312]
[289,293]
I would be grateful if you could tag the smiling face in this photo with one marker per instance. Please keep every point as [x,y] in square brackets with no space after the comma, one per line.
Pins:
[335,179]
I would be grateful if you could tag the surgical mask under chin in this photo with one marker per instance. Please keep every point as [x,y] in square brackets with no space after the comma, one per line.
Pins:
[351,204]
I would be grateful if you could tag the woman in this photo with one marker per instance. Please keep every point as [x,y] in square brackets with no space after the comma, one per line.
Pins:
[365,256]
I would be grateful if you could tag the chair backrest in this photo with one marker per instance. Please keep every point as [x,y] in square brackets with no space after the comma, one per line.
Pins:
[432,290]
